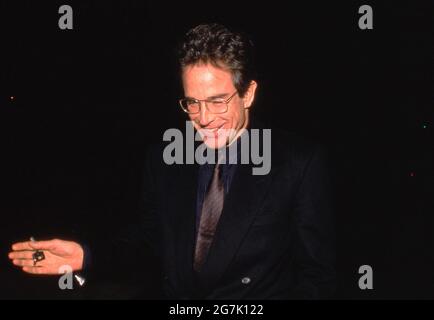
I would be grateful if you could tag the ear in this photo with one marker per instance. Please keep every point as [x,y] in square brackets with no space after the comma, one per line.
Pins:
[249,96]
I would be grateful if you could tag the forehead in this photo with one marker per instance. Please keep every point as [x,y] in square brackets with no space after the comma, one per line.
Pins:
[206,80]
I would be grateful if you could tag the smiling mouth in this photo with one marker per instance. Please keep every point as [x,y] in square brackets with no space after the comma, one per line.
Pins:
[211,133]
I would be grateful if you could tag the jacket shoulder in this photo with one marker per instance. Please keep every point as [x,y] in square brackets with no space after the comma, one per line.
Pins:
[293,148]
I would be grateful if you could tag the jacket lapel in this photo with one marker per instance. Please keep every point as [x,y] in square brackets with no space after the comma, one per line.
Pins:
[241,205]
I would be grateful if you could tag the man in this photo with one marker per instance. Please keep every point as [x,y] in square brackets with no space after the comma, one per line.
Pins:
[220,231]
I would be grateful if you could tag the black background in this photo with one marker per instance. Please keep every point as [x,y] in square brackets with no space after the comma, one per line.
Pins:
[88,101]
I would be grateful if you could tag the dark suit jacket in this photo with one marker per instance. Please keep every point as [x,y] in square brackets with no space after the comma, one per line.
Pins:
[274,240]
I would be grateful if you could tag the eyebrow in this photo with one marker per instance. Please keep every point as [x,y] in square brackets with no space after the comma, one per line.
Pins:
[217,96]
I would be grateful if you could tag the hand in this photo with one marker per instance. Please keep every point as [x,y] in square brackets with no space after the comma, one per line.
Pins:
[57,253]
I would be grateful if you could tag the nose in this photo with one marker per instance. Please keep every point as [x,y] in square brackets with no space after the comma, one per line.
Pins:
[205,116]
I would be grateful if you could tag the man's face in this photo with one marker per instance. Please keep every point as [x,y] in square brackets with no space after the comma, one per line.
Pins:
[206,82]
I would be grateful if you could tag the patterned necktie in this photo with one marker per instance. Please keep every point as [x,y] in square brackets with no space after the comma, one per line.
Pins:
[211,211]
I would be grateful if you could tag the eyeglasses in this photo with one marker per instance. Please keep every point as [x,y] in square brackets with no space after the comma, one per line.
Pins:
[192,106]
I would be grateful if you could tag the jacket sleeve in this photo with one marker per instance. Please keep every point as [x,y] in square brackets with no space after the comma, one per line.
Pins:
[134,244]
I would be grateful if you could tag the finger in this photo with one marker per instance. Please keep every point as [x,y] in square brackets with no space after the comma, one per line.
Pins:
[34,270]
[25,263]
[43,245]
[41,270]
[20,246]
[21,255]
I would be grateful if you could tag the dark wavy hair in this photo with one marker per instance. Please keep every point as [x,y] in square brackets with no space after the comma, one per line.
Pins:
[223,48]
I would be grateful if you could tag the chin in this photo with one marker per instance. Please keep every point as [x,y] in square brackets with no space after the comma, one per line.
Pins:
[214,143]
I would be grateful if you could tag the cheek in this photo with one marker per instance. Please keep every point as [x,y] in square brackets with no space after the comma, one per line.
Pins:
[236,117]
[192,117]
